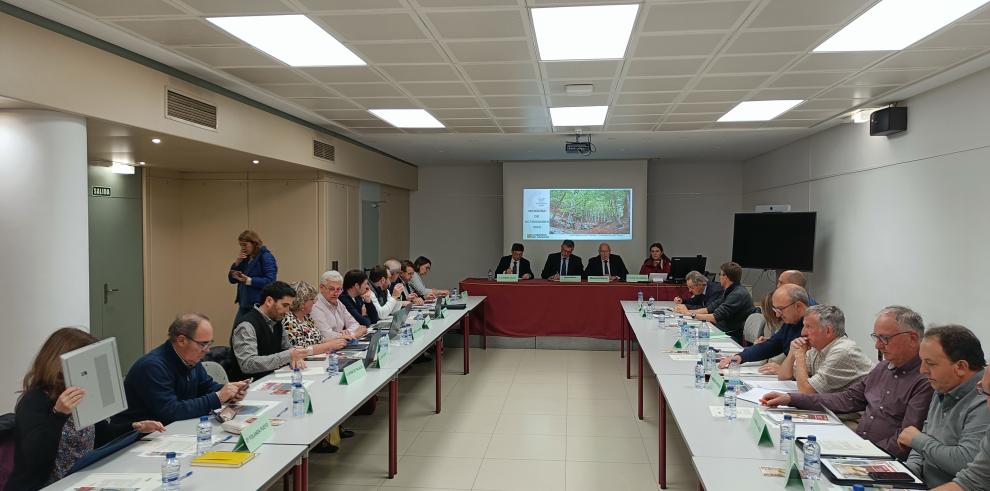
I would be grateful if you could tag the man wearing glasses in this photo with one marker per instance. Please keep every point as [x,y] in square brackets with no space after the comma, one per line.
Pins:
[958,418]
[170,384]
[790,302]
[894,395]
[330,315]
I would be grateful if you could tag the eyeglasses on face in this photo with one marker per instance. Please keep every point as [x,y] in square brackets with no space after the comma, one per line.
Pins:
[780,310]
[203,345]
[885,340]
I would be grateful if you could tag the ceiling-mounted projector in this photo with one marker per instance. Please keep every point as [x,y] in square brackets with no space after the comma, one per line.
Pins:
[584,148]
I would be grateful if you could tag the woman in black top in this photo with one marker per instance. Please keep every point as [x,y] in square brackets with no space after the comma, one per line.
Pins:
[46,441]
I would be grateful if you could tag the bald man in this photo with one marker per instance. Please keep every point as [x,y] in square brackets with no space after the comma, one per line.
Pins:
[789,303]
[606,264]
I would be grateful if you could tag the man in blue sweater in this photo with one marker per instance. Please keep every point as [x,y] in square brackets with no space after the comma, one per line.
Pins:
[170,384]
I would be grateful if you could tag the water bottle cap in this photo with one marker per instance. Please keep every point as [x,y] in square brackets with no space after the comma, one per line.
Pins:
[204,418]
[169,455]
[699,362]
[787,417]
[295,369]
[811,438]
[858,487]
[297,384]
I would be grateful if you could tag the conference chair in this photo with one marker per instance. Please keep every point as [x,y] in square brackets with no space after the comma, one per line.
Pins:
[216,372]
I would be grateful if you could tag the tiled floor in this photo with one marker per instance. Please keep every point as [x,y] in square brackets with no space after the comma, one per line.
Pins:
[522,420]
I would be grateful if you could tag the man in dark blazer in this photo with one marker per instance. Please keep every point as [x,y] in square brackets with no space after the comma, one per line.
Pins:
[563,263]
[515,264]
[358,298]
[606,264]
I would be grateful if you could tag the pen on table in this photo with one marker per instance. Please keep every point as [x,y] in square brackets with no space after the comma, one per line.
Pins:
[280,413]
[228,437]
[187,475]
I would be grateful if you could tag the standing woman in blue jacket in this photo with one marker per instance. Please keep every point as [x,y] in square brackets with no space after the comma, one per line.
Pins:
[253,269]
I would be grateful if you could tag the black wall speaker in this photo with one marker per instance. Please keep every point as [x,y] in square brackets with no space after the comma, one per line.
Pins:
[888,121]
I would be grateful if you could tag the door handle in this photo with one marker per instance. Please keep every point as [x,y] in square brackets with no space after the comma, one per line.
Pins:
[107,291]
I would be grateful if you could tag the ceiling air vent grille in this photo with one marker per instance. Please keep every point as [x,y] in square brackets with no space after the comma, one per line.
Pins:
[323,150]
[189,110]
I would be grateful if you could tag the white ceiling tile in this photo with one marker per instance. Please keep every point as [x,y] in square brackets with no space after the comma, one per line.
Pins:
[266,75]
[386,102]
[509,88]
[692,117]
[363,123]
[478,24]
[325,103]
[526,129]
[236,7]
[373,27]
[490,51]
[459,113]
[598,85]
[630,127]
[695,16]
[449,102]
[789,41]
[536,121]
[654,84]
[468,122]
[427,130]
[890,77]
[834,105]
[422,73]
[640,109]
[427,89]
[818,115]
[343,74]
[298,90]
[794,93]
[791,13]
[476,129]
[750,63]
[583,100]
[647,98]
[465,3]
[351,114]
[539,113]
[961,36]
[979,15]
[514,101]
[502,71]
[578,70]
[716,96]
[790,123]
[638,119]
[399,53]
[231,56]
[683,126]
[677,45]
[178,32]
[730,82]
[823,79]
[717,107]
[838,61]
[104,8]
[740,125]
[862,92]
[662,67]
[351,4]
[367,90]
[929,59]
[379,131]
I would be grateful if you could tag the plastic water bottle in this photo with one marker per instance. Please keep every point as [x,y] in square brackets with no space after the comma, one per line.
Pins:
[639,299]
[711,360]
[692,344]
[699,375]
[296,376]
[454,295]
[406,335]
[491,275]
[649,303]
[704,337]
[786,434]
[333,365]
[729,403]
[733,372]
[298,400]
[684,330]
[812,455]
[204,435]
[170,472]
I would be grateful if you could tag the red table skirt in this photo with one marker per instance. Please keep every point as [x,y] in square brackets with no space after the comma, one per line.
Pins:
[546,308]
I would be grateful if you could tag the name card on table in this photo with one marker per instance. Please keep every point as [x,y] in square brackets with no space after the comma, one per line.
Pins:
[417,330]
[637,278]
[758,430]
[716,384]
[254,435]
[507,278]
[571,278]
[599,279]
[353,372]
[443,313]
[381,354]
[792,472]
[678,344]
[464,294]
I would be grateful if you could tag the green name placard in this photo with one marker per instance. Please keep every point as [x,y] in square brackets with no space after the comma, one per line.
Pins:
[507,278]
[353,372]
[716,384]
[678,344]
[758,430]
[254,435]
[570,279]
[464,294]
[443,313]
[598,279]
[381,354]
[792,472]
[637,278]
[308,402]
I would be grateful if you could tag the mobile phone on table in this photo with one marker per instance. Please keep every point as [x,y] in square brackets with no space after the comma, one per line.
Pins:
[891,476]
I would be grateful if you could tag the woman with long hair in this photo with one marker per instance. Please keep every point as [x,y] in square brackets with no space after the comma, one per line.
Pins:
[253,269]
[46,441]
[658,262]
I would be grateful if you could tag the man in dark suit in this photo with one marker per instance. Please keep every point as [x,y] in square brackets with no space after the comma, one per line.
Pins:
[358,298]
[563,263]
[606,264]
[515,264]
[732,308]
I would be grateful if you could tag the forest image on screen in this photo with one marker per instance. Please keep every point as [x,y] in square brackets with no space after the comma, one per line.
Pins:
[578,214]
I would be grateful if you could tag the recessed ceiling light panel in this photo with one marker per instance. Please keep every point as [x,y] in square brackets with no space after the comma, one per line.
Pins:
[407,118]
[118,168]
[758,110]
[578,116]
[893,25]
[598,32]
[294,39]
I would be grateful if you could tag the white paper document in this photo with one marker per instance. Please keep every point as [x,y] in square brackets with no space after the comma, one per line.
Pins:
[182,445]
[754,395]
[119,482]
[741,412]
[777,385]
[278,387]
[305,371]
[684,357]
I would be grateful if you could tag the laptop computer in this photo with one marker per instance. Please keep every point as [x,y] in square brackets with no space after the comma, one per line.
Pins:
[369,357]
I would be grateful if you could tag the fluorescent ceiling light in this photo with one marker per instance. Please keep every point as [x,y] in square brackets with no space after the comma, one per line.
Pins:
[117,168]
[758,110]
[407,118]
[294,39]
[578,116]
[896,24]
[598,32]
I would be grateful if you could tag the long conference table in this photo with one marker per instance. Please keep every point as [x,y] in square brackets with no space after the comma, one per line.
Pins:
[724,453]
[287,451]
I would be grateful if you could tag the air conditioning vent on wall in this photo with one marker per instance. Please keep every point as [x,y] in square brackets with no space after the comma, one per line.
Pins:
[323,150]
[189,110]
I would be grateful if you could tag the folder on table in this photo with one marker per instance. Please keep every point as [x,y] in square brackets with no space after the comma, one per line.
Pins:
[221,458]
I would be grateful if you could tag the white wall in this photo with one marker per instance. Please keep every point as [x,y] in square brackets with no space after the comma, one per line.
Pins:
[456,221]
[900,218]
[44,235]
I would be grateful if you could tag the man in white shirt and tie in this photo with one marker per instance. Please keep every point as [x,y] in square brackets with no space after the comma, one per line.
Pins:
[515,264]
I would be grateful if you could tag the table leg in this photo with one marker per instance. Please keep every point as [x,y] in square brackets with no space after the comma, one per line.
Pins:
[484,329]
[286,485]
[640,399]
[622,337]
[305,472]
[438,362]
[466,324]
[629,355]
[393,427]
[297,477]
[663,440]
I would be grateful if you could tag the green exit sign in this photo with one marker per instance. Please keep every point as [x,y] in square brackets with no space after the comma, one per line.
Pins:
[101,191]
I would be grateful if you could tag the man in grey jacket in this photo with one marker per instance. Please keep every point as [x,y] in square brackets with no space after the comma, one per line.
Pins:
[958,418]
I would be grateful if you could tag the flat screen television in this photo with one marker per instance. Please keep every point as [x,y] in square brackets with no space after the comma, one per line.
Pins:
[774,240]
